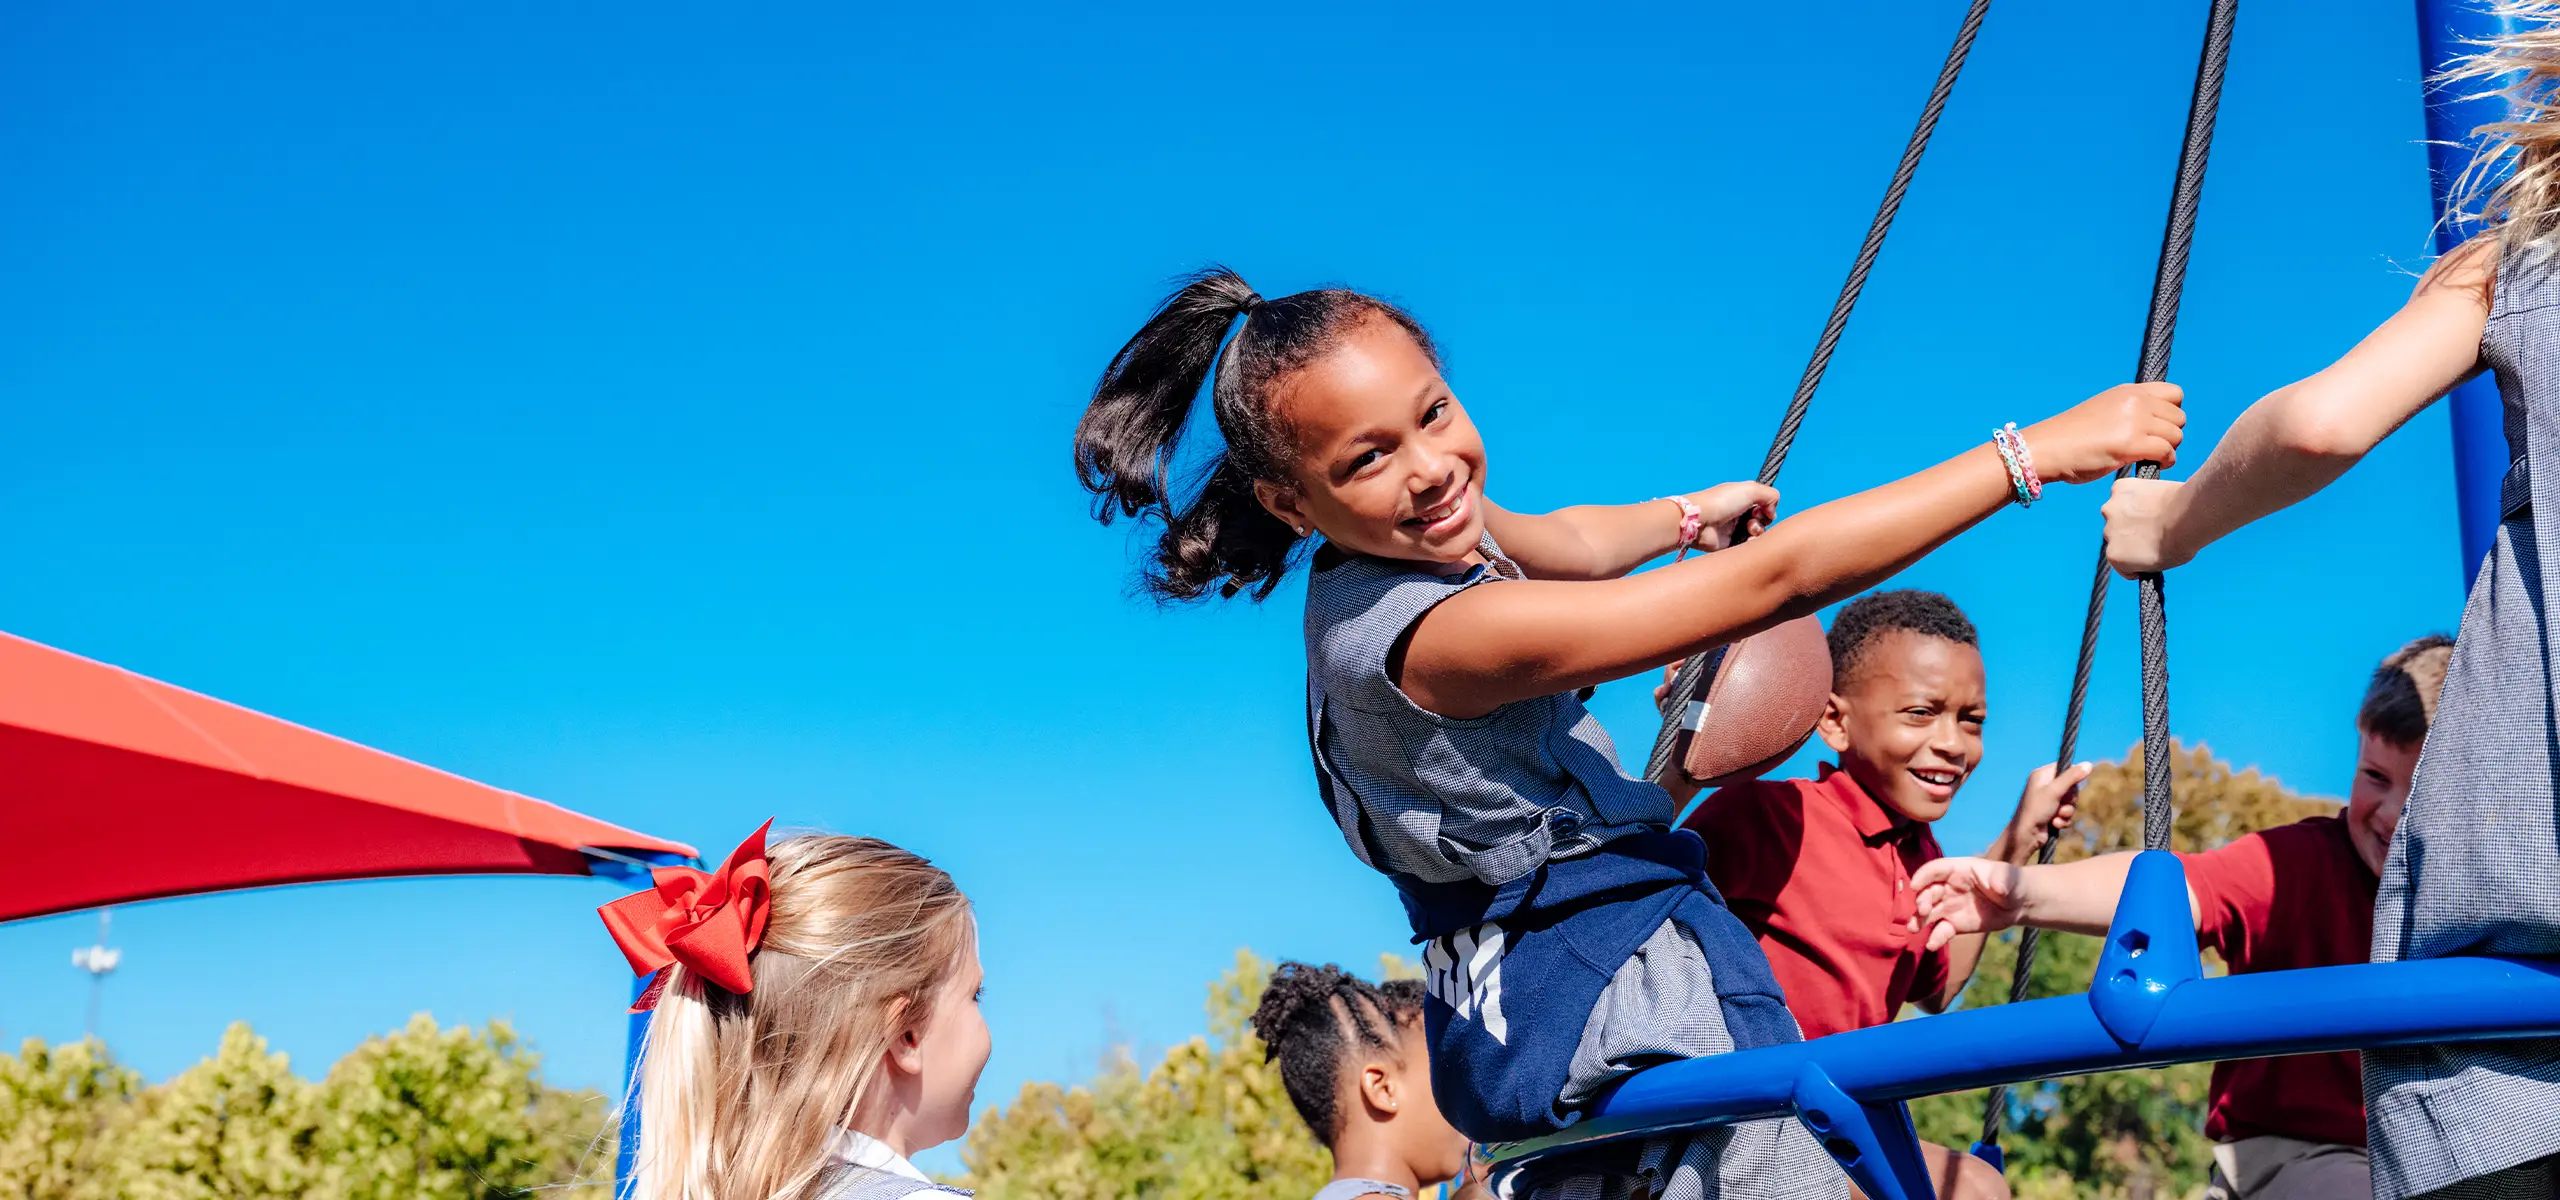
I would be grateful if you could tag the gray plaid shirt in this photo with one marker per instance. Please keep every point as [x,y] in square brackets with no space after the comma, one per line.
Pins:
[1437,798]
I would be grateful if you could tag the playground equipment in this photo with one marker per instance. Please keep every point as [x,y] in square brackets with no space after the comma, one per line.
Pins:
[186,794]
[2149,1004]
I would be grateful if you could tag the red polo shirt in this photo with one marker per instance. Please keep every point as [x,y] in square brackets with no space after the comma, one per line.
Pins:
[2294,896]
[1822,875]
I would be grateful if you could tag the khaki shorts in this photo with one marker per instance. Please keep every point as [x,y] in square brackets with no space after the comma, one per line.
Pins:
[2283,1168]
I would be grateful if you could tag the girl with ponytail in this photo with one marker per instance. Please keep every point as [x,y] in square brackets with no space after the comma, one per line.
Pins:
[1447,639]
[816,1022]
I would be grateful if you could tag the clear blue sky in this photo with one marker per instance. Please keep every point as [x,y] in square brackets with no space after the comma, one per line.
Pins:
[666,413]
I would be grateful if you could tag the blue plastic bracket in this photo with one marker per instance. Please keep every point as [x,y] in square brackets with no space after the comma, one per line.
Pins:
[1873,1142]
[2150,950]
[1990,1153]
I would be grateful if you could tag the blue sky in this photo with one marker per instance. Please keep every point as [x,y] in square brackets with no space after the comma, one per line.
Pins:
[666,413]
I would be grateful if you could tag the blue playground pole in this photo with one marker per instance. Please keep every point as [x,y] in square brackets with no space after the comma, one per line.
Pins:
[2446,30]
[633,868]
[635,1035]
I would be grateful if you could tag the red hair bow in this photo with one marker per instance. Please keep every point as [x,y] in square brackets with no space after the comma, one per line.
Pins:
[709,922]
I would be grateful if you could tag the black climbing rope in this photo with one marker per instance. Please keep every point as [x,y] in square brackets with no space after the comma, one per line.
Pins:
[2166,286]
[1685,683]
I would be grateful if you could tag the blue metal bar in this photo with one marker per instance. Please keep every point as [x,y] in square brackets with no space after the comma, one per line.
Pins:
[2208,1020]
[2448,29]
[627,1150]
[2149,1009]
[632,867]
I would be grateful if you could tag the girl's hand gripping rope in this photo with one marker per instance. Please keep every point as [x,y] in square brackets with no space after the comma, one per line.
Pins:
[2128,423]
[1733,511]
[2139,514]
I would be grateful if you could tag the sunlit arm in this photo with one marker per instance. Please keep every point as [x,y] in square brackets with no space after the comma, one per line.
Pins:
[1488,646]
[2303,436]
[1586,541]
[1964,953]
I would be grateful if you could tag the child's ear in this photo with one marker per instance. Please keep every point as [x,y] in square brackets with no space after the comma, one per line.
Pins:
[1835,733]
[1282,502]
[1378,1090]
[906,1051]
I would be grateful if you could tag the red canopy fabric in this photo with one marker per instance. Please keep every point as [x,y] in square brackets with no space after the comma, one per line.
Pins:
[116,788]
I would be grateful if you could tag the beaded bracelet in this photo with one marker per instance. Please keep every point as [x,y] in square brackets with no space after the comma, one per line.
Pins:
[1692,523]
[2026,486]
[2026,462]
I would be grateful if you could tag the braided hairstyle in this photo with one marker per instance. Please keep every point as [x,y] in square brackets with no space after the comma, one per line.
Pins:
[1909,610]
[1220,537]
[1312,1019]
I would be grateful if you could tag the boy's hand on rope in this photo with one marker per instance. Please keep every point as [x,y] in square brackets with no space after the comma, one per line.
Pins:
[2127,423]
[1730,507]
[2048,803]
[2139,513]
[1965,895]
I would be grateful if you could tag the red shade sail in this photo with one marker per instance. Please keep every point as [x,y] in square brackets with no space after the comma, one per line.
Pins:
[116,788]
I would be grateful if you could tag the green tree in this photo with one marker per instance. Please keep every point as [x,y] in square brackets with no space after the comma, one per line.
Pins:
[443,1113]
[238,1124]
[1209,1122]
[437,1114]
[63,1112]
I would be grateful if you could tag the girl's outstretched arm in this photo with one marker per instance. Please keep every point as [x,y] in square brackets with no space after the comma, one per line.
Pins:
[1488,646]
[2304,435]
[1605,541]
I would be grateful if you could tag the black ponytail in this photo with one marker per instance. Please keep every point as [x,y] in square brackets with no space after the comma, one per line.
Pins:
[1220,537]
[1311,1017]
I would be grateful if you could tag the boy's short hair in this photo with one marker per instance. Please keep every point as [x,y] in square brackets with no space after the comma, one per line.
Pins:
[1871,616]
[2400,703]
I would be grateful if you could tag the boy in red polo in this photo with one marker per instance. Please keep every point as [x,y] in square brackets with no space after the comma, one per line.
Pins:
[1821,869]
[2299,895]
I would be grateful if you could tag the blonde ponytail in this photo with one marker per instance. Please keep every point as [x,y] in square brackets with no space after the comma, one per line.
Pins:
[740,1094]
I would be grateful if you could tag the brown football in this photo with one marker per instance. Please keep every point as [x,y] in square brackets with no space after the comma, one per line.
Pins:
[1761,705]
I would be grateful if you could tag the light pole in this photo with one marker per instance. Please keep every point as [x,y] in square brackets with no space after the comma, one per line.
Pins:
[99,961]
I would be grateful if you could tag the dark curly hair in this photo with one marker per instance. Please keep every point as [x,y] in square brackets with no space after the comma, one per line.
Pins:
[1312,1018]
[1220,537]
[1871,616]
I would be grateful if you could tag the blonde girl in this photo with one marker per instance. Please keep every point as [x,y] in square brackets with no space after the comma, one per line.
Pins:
[816,1022]
[2474,867]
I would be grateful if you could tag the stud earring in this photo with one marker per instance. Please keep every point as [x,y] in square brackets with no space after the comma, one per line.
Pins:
[1302,530]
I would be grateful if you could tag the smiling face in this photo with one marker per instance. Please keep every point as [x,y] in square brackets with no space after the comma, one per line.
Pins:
[2381,790]
[1386,462]
[1907,722]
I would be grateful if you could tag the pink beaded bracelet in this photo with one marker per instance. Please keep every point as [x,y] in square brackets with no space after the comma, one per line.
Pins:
[2023,480]
[1692,523]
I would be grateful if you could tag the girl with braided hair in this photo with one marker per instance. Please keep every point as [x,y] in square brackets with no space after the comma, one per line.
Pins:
[1353,1060]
